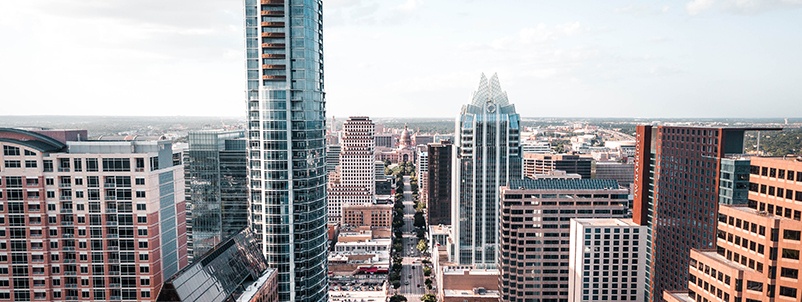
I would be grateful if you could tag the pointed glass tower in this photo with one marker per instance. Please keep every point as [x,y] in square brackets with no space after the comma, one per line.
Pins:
[487,155]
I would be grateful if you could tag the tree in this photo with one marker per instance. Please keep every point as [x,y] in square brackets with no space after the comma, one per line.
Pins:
[398,298]
[396,285]
[419,221]
[422,246]
[428,298]
[427,271]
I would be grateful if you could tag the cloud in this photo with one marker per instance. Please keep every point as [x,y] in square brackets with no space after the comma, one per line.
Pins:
[697,6]
[641,9]
[746,7]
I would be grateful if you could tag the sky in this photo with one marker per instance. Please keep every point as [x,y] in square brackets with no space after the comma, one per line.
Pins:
[413,58]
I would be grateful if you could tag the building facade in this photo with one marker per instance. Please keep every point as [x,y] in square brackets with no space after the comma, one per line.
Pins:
[286,142]
[536,164]
[607,262]
[534,232]
[356,183]
[88,220]
[216,178]
[488,156]
[422,172]
[438,183]
[676,195]
[756,257]
[371,215]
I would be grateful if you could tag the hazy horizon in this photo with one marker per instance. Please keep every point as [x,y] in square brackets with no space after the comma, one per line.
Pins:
[691,58]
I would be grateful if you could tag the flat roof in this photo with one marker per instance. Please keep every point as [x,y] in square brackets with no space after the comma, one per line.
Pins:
[564,184]
[606,222]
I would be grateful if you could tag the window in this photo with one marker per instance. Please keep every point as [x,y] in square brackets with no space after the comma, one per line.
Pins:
[13,164]
[30,164]
[91,165]
[116,164]
[789,273]
[790,254]
[140,181]
[140,194]
[10,151]
[791,235]
[787,291]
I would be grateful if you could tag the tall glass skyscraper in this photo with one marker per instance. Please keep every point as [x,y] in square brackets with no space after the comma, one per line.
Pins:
[487,156]
[286,142]
[215,173]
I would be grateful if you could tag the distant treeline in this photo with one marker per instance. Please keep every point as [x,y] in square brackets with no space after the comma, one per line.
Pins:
[775,143]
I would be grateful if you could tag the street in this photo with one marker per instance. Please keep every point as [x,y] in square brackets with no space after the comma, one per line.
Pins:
[412,285]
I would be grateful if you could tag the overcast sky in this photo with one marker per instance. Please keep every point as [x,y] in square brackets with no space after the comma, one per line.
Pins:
[407,58]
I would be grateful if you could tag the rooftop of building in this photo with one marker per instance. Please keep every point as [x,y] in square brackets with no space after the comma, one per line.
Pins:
[605,222]
[564,184]
[440,229]
[476,293]
[232,266]
[461,270]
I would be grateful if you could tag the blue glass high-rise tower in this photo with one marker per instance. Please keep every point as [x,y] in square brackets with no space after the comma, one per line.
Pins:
[487,156]
[286,142]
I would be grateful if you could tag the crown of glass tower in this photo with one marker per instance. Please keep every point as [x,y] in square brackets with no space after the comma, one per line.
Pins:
[286,142]
[487,156]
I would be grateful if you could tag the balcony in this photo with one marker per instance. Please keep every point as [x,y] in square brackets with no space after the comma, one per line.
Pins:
[274,46]
[113,248]
[64,185]
[273,24]
[111,223]
[111,210]
[274,77]
[272,2]
[273,35]
[274,67]
[273,56]
[273,13]
[66,211]
[67,223]
[70,273]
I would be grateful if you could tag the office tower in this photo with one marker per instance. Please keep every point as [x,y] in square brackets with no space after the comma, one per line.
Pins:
[422,172]
[386,140]
[332,157]
[607,262]
[535,164]
[216,177]
[534,232]
[622,172]
[356,184]
[756,257]
[676,194]
[488,155]
[438,187]
[734,182]
[235,270]
[89,220]
[286,142]
[378,167]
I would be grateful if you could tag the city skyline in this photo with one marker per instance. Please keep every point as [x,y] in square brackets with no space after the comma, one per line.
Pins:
[613,59]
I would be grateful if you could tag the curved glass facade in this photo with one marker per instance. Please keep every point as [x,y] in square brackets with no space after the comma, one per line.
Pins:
[286,142]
